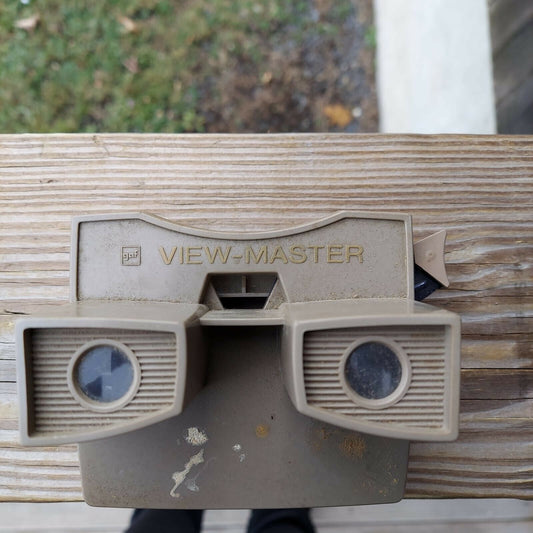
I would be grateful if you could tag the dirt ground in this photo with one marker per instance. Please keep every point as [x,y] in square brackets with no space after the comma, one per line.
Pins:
[326,84]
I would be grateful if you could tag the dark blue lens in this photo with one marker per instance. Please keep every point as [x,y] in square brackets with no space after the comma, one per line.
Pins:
[373,370]
[104,373]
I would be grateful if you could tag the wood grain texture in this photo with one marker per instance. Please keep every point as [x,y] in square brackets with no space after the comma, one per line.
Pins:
[511,28]
[507,18]
[480,188]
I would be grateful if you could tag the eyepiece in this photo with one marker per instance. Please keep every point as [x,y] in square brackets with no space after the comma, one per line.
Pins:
[373,370]
[104,375]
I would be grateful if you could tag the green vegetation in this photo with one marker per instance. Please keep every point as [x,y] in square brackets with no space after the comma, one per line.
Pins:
[370,37]
[139,65]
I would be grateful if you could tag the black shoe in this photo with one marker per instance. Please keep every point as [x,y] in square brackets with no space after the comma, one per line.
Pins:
[280,521]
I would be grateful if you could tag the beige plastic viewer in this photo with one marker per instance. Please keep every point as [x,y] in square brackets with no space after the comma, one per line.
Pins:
[199,369]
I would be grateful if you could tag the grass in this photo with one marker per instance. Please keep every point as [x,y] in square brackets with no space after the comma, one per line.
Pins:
[370,37]
[137,65]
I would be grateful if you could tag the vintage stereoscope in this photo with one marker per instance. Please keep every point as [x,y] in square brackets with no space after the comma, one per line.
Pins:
[199,369]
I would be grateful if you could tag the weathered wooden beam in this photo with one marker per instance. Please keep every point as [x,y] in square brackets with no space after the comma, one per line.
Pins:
[479,188]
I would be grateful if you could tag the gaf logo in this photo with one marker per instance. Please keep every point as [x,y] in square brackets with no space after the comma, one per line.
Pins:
[131,255]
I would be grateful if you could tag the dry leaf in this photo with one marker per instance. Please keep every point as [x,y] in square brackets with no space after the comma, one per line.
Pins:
[338,115]
[266,78]
[29,23]
[132,64]
[129,25]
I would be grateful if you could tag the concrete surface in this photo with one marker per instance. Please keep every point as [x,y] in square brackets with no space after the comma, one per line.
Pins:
[429,516]
[434,66]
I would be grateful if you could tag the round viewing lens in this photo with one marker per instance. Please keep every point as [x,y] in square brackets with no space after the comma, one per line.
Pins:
[373,370]
[104,373]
